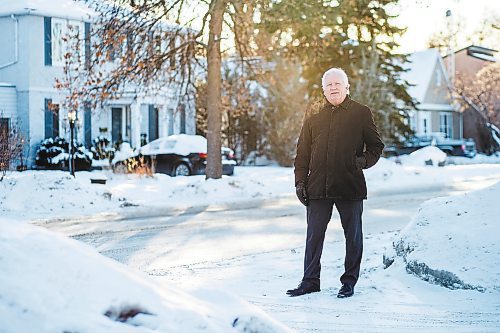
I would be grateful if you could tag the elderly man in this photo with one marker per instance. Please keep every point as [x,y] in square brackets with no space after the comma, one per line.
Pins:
[333,148]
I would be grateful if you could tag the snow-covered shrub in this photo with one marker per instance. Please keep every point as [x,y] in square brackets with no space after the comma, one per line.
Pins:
[53,154]
[102,148]
[83,157]
[50,154]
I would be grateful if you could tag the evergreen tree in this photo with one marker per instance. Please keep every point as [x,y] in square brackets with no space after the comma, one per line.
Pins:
[355,35]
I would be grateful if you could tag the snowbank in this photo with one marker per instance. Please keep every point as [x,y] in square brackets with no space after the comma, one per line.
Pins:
[53,284]
[430,155]
[478,159]
[453,241]
[124,153]
[55,194]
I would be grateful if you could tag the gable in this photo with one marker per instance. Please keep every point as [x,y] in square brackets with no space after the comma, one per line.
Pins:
[427,75]
[437,88]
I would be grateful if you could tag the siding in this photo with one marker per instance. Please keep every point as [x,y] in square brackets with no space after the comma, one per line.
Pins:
[8,102]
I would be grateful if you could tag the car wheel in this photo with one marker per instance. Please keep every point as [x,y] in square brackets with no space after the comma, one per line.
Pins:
[181,169]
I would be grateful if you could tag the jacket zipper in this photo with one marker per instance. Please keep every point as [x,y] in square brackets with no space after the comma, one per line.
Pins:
[328,149]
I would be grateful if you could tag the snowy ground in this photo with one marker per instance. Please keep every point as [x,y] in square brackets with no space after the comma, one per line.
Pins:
[193,282]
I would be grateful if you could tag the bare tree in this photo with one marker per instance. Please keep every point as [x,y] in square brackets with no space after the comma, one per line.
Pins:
[242,106]
[75,84]
[482,95]
[149,53]
[12,144]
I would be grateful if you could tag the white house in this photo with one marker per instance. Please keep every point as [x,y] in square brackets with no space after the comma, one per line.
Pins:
[31,33]
[435,111]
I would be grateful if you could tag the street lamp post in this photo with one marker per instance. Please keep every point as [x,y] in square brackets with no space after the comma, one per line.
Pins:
[72,120]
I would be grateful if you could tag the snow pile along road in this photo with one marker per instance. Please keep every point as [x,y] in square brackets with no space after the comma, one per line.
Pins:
[430,155]
[453,241]
[49,283]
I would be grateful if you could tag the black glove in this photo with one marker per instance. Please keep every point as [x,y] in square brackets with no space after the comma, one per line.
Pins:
[360,162]
[301,191]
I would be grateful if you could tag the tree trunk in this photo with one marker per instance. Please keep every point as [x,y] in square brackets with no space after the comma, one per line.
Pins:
[214,121]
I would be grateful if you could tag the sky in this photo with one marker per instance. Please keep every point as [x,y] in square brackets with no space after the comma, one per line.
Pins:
[424,17]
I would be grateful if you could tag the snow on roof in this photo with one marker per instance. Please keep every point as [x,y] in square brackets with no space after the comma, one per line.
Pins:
[5,84]
[54,8]
[421,67]
[435,107]
[483,56]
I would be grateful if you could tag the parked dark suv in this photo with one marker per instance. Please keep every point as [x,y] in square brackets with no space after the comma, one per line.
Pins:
[452,147]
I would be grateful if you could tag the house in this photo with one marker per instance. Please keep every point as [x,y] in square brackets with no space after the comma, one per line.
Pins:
[31,35]
[434,111]
[465,64]
[470,60]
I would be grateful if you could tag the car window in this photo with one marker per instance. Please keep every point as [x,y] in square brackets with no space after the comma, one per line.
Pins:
[155,145]
[168,144]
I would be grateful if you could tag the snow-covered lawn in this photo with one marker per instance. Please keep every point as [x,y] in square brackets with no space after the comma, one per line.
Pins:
[49,283]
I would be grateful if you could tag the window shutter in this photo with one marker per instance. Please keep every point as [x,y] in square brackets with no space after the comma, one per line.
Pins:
[87,126]
[87,45]
[47,35]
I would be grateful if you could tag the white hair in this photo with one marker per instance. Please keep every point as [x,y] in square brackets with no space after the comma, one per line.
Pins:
[335,70]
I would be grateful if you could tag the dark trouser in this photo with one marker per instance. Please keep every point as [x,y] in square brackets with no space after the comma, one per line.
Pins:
[319,213]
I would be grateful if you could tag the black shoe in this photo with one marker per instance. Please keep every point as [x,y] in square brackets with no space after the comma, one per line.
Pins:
[347,290]
[303,288]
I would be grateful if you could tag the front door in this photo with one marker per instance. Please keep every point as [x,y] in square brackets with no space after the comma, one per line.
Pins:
[116,124]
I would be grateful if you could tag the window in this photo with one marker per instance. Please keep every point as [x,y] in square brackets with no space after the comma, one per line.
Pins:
[128,122]
[446,124]
[182,110]
[74,33]
[56,33]
[116,125]
[426,126]
[153,123]
[411,121]
[438,78]
[170,121]
[51,119]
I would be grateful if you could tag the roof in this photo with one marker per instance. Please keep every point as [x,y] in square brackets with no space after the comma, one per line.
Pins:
[479,52]
[68,9]
[421,67]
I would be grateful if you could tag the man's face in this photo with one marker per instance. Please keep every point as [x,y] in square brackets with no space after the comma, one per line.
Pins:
[335,89]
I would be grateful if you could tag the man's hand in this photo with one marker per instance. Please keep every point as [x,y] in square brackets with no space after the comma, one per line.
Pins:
[301,191]
[360,162]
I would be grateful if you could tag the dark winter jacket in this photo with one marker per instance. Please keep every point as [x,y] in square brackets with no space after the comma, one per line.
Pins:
[328,145]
